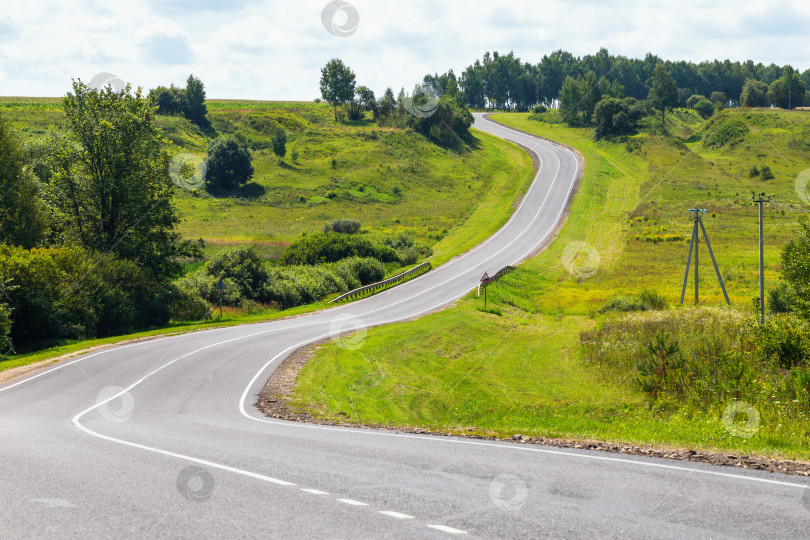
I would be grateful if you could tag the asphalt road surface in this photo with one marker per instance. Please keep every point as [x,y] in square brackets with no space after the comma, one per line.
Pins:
[162,439]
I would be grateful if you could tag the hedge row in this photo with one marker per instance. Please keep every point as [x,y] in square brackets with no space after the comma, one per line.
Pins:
[55,293]
[250,279]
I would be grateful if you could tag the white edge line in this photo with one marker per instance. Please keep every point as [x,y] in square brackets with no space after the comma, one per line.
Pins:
[448,530]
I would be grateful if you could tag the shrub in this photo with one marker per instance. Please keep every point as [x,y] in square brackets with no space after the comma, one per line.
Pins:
[786,340]
[766,173]
[332,247]
[539,109]
[72,293]
[366,270]
[782,299]
[704,107]
[5,330]
[204,285]
[345,226]
[244,266]
[228,164]
[188,305]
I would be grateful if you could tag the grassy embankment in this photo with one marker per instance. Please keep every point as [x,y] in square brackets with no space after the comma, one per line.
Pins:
[463,370]
[390,179]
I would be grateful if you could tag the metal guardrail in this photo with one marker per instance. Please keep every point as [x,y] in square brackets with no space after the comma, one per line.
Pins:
[502,272]
[421,269]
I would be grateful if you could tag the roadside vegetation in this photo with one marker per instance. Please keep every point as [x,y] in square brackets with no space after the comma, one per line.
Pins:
[564,352]
[286,204]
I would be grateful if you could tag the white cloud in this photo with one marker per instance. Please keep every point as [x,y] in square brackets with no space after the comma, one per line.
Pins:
[273,49]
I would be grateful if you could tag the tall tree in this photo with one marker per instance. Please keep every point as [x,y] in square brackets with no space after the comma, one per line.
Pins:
[111,188]
[664,92]
[788,91]
[754,94]
[23,218]
[337,83]
[195,101]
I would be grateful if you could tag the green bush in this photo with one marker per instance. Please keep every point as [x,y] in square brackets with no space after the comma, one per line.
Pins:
[704,107]
[785,340]
[365,270]
[244,266]
[188,305]
[204,285]
[782,299]
[345,226]
[5,323]
[332,247]
[72,293]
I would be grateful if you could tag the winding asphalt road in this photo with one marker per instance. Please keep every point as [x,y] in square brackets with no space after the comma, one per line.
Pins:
[161,439]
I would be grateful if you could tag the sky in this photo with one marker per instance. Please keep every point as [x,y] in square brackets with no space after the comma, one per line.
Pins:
[274,49]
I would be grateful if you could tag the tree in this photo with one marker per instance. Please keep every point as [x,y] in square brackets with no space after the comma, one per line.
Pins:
[754,94]
[693,99]
[228,163]
[280,142]
[719,98]
[363,101]
[613,116]
[704,107]
[387,104]
[788,91]
[169,101]
[23,217]
[337,83]
[664,92]
[111,190]
[195,101]
[796,265]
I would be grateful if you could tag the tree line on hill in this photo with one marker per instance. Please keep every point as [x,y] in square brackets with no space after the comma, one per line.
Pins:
[505,82]
[441,116]
[613,93]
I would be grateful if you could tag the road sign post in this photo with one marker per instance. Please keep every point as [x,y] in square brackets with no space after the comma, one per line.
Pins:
[485,280]
[220,287]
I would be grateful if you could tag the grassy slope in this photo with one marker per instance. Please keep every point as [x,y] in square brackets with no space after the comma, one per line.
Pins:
[500,172]
[391,180]
[466,370]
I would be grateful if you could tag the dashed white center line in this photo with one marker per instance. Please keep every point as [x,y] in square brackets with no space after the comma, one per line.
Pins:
[314,491]
[352,502]
[396,514]
[448,530]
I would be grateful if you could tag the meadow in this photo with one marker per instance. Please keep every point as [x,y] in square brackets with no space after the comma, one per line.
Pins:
[521,367]
[394,181]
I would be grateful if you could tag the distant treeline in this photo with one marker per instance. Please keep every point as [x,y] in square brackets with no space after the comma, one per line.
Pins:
[505,82]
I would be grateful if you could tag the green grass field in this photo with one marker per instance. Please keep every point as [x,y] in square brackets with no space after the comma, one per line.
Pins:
[467,371]
[450,201]
[390,179]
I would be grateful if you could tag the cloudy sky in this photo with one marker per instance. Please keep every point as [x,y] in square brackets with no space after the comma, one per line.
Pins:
[274,49]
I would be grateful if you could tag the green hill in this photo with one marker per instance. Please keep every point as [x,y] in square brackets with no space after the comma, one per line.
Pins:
[392,180]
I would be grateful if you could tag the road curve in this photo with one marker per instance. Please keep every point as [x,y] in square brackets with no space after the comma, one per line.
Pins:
[161,439]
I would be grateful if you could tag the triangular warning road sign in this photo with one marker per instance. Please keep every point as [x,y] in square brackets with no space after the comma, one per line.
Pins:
[486,278]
